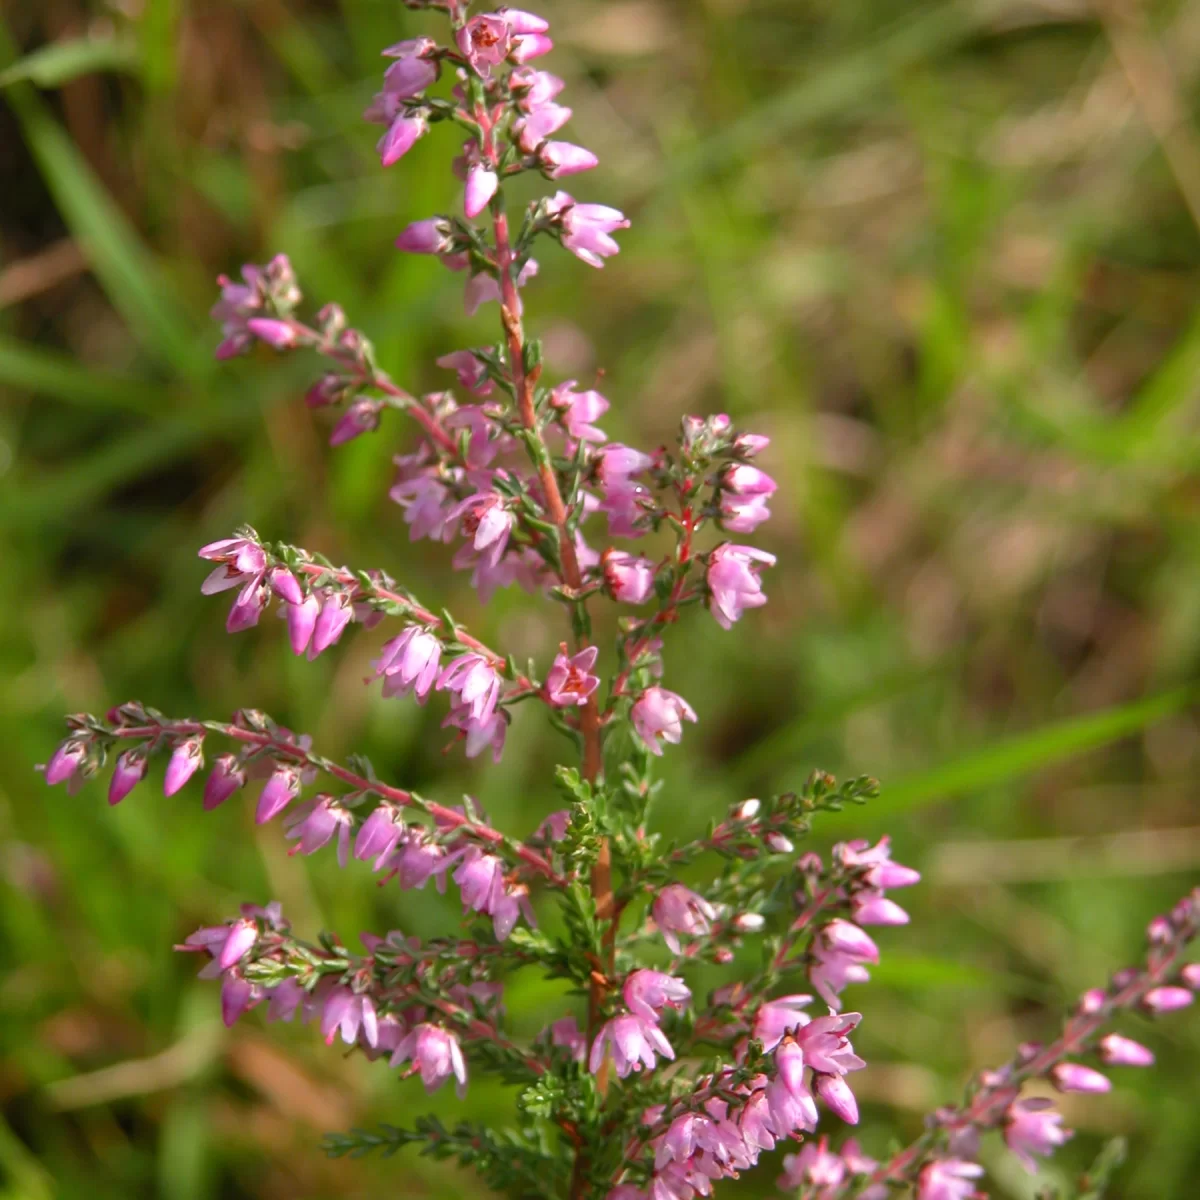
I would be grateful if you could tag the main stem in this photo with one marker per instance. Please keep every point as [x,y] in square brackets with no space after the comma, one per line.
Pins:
[525,384]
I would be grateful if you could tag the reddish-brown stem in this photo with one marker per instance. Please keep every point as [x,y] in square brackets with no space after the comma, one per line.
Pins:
[279,745]
[378,380]
[417,611]
[524,386]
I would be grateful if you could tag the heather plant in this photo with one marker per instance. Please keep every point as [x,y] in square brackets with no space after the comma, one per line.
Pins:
[646,1088]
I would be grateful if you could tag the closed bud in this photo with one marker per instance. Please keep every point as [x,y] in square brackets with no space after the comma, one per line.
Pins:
[1166,999]
[746,811]
[224,779]
[186,760]
[1074,1077]
[1118,1051]
[130,769]
[749,922]
[778,844]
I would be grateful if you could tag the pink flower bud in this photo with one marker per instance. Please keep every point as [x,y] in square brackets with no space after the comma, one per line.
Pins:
[871,908]
[1118,1051]
[238,943]
[628,577]
[1158,932]
[778,844]
[278,792]
[749,922]
[1190,973]
[482,183]
[224,779]
[1166,999]
[834,1091]
[746,811]
[559,159]
[301,621]
[431,236]
[277,334]
[186,760]
[336,613]
[1074,1077]
[285,585]
[1092,1001]
[129,772]
[400,138]
[65,761]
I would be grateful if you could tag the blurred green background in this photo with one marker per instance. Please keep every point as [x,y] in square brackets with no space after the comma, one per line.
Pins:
[945,254]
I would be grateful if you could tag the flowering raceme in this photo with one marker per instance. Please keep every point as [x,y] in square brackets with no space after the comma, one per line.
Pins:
[652,1089]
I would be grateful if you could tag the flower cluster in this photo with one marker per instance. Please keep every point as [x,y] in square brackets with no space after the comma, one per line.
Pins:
[660,1089]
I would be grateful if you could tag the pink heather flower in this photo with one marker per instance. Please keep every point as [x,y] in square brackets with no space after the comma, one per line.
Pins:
[279,335]
[487,522]
[65,761]
[744,480]
[482,288]
[472,372]
[616,464]
[578,410]
[418,47]
[1118,1051]
[834,1092]
[1166,999]
[559,159]
[278,792]
[521,21]
[1191,975]
[484,41]
[435,1053]
[743,514]
[677,910]
[401,137]
[476,684]
[250,604]
[777,1017]
[815,1165]
[534,89]
[570,680]
[301,621]
[237,996]
[379,833]
[876,864]
[826,1045]
[628,577]
[426,502]
[1074,1077]
[948,1179]
[431,236]
[530,45]
[239,941]
[566,1033]
[733,581]
[647,992]
[315,823]
[412,72]
[336,613]
[838,956]
[873,908]
[658,713]
[791,1104]
[349,1014]
[239,560]
[482,182]
[1033,1127]
[284,1000]
[129,772]
[186,759]
[238,302]
[363,416]
[586,229]
[409,663]
[634,1042]
[417,859]
[554,827]
[285,585]
[225,778]
[541,122]
[1092,1001]
[479,735]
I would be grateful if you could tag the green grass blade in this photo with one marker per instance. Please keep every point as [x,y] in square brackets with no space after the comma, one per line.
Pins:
[1028,752]
[123,265]
[58,63]
[42,372]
